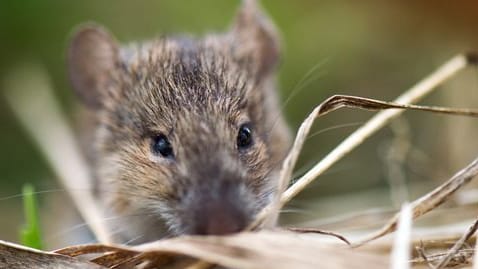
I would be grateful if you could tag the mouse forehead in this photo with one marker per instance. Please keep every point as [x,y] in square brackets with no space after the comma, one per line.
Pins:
[187,80]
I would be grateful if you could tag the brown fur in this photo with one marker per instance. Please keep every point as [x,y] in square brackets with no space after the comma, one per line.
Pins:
[197,92]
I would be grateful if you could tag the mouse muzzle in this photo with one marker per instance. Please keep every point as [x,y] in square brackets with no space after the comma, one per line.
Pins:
[217,208]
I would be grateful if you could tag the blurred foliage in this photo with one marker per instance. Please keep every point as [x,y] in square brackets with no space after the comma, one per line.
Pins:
[369,48]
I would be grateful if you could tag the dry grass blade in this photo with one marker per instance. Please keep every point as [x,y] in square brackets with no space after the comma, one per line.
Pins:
[402,244]
[41,117]
[475,257]
[317,231]
[421,252]
[89,249]
[245,250]
[413,95]
[110,260]
[458,245]
[268,217]
[431,200]
[338,101]
[200,265]
[20,257]
[459,260]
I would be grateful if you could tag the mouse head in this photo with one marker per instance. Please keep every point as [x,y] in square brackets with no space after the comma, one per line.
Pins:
[189,133]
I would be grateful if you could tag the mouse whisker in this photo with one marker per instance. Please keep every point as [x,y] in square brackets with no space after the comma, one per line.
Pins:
[85,224]
[308,78]
[335,127]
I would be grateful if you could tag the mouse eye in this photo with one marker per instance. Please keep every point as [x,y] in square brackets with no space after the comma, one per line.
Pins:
[244,137]
[161,146]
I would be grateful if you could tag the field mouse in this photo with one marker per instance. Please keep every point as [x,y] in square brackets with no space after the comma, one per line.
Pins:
[188,135]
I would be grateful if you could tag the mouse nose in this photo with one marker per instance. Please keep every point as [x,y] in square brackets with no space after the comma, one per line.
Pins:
[216,209]
[219,219]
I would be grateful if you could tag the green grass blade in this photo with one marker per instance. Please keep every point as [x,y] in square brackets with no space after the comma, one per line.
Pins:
[30,234]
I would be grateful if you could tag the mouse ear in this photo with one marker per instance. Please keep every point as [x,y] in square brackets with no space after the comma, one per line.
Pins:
[92,59]
[256,37]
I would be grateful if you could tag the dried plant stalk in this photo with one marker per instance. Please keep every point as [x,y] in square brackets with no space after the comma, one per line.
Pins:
[458,245]
[413,95]
[41,117]
[429,201]
[475,258]
[401,247]
[318,231]
[268,217]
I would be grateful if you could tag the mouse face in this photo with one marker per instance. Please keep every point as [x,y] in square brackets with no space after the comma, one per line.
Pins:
[188,137]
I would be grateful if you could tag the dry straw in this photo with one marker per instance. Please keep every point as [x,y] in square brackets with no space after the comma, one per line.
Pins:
[269,246]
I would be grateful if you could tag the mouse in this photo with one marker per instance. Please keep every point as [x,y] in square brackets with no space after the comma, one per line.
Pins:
[187,135]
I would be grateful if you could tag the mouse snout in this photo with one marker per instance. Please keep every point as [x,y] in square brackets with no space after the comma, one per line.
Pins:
[218,209]
[219,219]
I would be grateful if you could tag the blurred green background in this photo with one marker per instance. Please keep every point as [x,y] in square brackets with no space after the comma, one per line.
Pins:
[370,48]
